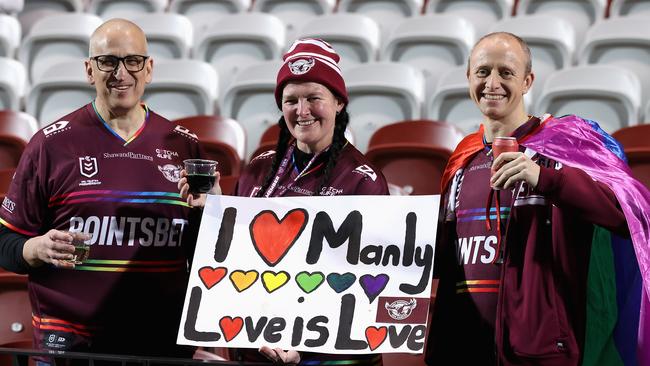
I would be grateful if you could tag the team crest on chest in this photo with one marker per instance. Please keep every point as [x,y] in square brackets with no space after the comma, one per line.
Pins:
[88,166]
[171,172]
[301,66]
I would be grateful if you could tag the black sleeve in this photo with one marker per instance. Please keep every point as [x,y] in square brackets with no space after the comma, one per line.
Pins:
[11,251]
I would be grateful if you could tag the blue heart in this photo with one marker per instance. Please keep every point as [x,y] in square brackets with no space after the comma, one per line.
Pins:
[340,282]
[373,285]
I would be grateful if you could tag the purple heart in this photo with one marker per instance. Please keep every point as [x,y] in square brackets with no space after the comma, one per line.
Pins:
[373,285]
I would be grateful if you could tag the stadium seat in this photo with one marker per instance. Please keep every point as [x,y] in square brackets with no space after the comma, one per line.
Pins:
[294,13]
[182,88]
[629,8]
[249,100]
[56,38]
[169,35]
[6,176]
[607,94]
[551,41]
[204,13]
[228,183]
[12,7]
[107,9]
[10,33]
[222,139]
[62,89]
[16,320]
[13,81]
[355,37]
[450,101]
[386,13]
[623,42]
[413,154]
[646,111]
[381,93]
[432,43]
[580,13]
[636,143]
[237,41]
[16,129]
[482,14]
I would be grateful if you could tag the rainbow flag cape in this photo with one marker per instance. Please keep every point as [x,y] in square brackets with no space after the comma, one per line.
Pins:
[618,322]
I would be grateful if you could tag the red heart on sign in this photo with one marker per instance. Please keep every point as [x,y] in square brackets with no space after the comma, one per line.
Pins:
[375,336]
[230,327]
[211,276]
[272,238]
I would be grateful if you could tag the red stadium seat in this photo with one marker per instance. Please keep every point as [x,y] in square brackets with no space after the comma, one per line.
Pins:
[413,154]
[16,128]
[223,140]
[636,143]
[228,183]
[16,319]
[268,140]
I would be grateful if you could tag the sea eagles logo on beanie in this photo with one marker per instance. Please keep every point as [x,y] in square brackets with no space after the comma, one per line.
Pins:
[301,66]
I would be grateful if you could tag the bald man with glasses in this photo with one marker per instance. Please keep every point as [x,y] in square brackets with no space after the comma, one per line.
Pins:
[107,174]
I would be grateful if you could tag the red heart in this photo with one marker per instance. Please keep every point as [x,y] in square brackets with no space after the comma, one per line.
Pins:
[272,238]
[230,327]
[211,276]
[375,336]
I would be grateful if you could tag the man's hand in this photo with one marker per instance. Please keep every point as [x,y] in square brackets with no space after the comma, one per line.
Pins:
[53,247]
[514,167]
[196,200]
[280,356]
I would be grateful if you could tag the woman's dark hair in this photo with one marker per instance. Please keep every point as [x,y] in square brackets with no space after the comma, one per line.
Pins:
[338,142]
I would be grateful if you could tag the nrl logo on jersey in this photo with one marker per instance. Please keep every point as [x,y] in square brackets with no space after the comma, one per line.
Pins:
[55,128]
[88,166]
[171,172]
[367,171]
[301,66]
[184,131]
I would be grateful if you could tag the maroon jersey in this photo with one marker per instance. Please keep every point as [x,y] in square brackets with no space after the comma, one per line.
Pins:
[77,174]
[352,175]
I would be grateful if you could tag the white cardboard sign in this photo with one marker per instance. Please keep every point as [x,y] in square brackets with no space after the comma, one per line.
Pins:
[343,274]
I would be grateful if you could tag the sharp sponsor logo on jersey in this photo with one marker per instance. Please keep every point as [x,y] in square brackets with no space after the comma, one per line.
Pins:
[166,154]
[185,132]
[88,166]
[366,170]
[301,66]
[55,128]
[171,172]
[8,204]
[130,231]
[476,248]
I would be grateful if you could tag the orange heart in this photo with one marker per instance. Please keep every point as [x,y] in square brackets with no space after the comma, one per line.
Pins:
[272,237]
[230,327]
[375,336]
[211,276]
[243,280]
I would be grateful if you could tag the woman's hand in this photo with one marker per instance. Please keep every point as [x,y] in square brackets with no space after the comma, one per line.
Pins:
[196,200]
[280,356]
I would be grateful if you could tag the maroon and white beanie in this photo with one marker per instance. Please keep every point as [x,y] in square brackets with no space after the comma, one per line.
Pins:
[311,60]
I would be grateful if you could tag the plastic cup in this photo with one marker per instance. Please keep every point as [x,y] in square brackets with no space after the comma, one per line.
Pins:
[200,174]
[81,247]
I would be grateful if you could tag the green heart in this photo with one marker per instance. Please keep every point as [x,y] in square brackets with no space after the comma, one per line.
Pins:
[309,282]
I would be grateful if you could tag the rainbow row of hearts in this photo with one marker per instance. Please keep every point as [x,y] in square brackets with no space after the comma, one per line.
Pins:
[307,282]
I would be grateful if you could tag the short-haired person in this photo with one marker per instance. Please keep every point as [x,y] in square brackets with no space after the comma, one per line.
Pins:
[312,156]
[110,170]
[517,250]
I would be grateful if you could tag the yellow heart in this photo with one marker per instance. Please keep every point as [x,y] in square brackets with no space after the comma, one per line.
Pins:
[273,281]
[243,280]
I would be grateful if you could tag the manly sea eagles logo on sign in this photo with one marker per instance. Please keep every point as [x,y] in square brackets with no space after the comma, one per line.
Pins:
[88,166]
[301,66]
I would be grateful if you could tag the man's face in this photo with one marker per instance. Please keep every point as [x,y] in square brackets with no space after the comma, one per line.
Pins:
[120,90]
[497,77]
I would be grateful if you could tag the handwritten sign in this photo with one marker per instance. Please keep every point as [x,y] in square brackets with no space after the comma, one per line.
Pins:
[344,274]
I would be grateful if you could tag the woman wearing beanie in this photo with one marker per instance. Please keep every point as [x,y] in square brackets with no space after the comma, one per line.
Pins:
[312,157]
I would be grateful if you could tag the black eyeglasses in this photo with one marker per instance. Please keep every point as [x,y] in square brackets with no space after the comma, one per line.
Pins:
[110,63]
